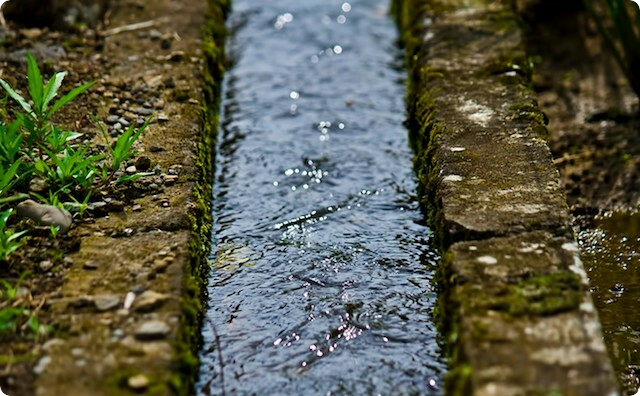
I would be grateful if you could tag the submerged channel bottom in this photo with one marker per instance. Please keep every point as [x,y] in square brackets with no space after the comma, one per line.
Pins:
[322,273]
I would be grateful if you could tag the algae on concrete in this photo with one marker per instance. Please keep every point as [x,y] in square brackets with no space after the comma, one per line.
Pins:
[189,337]
[514,303]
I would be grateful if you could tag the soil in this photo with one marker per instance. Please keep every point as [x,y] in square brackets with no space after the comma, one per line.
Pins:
[594,116]
[136,237]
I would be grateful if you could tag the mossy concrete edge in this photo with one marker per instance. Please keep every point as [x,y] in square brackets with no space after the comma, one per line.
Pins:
[189,336]
[514,302]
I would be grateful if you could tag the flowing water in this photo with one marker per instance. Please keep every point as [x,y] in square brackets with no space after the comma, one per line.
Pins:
[322,278]
[611,250]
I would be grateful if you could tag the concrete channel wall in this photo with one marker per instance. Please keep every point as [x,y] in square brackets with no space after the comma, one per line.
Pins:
[515,304]
[151,346]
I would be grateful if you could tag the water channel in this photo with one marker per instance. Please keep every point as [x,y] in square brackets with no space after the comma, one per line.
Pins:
[611,250]
[322,278]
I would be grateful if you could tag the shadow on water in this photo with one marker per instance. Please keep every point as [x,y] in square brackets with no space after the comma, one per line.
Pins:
[322,273]
[611,251]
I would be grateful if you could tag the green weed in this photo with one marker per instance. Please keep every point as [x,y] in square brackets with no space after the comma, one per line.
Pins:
[14,317]
[49,150]
[10,240]
[620,30]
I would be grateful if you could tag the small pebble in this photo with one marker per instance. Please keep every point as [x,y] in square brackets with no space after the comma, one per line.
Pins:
[98,207]
[90,265]
[31,34]
[112,119]
[149,301]
[42,364]
[46,265]
[143,111]
[160,265]
[106,302]
[152,330]
[77,351]
[155,35]
[170,180]
[38,185]
[117,334]
[123,121]
[131,169]
[155,149]
[138,382]
[52,343]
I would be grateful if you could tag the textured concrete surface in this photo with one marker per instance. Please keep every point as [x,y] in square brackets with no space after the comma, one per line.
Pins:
[515,306]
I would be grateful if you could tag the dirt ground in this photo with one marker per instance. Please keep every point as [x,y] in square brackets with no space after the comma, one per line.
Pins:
[120,267]
[594,117]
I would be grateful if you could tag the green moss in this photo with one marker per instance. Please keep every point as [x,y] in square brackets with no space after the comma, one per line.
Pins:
[14,359]
[528,112]
[458,380]
[516,62]
[541,295]
[189,337]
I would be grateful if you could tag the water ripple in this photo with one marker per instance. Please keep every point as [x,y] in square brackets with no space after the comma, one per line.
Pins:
[321,280]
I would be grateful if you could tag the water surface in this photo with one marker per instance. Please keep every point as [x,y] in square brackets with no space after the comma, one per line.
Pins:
[611,251]
[322,273]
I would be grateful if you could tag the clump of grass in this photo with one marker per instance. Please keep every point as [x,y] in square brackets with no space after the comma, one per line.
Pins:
[15,318]
[33,146]
[49,151]
[620,30]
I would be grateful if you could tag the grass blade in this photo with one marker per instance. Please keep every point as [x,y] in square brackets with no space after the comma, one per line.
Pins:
[69,97]
[35,83]
[16,96]
[51,90]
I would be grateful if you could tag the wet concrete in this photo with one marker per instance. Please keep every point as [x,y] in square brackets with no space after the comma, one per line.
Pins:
[517,311]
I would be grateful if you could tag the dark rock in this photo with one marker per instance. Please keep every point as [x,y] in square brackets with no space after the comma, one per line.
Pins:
[143,163]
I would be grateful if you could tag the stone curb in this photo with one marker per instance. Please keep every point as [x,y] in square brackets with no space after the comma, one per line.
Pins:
[515,308]
[138,329]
